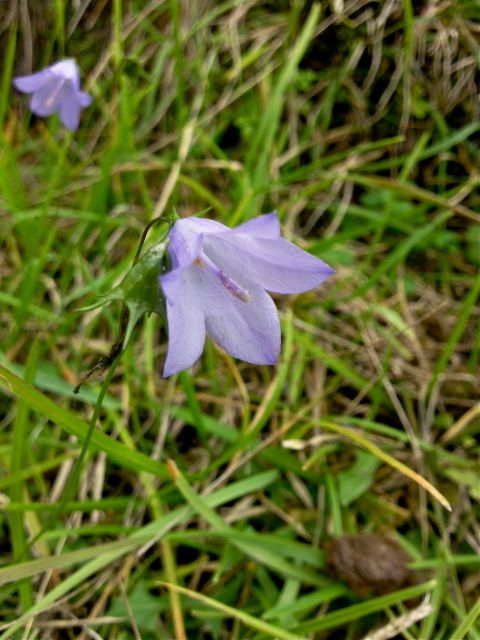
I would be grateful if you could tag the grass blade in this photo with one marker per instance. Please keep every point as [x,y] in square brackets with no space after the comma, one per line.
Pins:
[248,620]
[77,427]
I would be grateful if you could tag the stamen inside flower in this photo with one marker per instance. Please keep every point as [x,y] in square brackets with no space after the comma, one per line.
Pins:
[229,283]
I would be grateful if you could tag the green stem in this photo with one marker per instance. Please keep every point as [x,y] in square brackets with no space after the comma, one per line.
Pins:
[75,473]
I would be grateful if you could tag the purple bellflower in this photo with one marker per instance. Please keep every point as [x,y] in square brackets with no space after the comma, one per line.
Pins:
[218,287]
[56,88]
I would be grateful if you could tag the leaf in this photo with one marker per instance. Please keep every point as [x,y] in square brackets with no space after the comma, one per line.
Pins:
[75,426]
[145,608]
[253,550]
[154,530]
[356,611]
[265,628]
[466,477]
[361,441]
[353,482]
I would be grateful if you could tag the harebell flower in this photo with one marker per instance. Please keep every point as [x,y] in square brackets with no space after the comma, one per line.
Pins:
[56,88]
[218,284]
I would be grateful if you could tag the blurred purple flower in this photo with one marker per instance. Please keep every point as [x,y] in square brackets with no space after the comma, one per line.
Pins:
[56,88]
[218,287]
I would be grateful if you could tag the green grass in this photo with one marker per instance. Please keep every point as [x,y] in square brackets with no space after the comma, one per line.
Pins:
[199,506]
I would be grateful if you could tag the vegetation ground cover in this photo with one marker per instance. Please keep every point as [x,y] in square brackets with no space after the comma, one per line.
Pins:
[204,503]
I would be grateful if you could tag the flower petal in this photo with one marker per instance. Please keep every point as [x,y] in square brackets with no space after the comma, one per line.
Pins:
[184,245]
[186,323]
[202,225]
[47,99]
[69,108]
[56,88]
[247,330]
[66,70]
[31,83]
[266,226]
[84,99]
[275,264]
[186,239]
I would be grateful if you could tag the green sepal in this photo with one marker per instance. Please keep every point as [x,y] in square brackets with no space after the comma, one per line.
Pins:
[140,289]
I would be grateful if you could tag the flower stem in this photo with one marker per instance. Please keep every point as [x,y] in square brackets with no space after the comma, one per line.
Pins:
[75,473]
